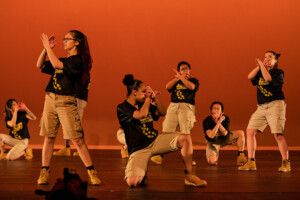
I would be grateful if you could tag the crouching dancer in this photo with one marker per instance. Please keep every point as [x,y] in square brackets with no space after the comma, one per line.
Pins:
[136,115]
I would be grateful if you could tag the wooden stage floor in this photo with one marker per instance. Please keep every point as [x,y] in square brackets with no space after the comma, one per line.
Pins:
[18,178]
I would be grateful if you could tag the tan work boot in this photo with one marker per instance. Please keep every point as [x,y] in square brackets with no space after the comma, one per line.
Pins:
[124,153]
[158,159]
[93,178]
[66,151]
[241,159]
[76,153]
[249,166]
[28,154]
[285,167]
[44,176]
[192,180]
[3,156]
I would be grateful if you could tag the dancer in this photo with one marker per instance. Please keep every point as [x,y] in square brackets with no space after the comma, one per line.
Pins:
[270,111]
[81,98]
[217,134]
[17,116]
[136,115]
[181,111]
[60,101]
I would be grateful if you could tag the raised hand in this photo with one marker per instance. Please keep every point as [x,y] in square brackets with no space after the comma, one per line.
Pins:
[51,42]
[221,119]
[45,41]
[148,92]
[22,106]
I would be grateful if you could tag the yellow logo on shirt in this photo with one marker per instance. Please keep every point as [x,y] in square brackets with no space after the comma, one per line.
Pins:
[55,84]
[16,128]
[265,92]
[146,131]
[178,92]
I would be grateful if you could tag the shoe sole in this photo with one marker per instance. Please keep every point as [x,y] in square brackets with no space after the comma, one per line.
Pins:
[251,169]
[188,183]
[284,171]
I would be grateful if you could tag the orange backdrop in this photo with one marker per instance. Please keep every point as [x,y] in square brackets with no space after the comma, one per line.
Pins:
[220,39]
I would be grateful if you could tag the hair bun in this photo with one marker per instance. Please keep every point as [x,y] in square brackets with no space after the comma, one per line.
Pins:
[278,55]
[128,80]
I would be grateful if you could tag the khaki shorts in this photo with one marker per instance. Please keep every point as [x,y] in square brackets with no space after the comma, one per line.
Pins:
[272,114]
[213,147]
[60,109]
[81,104]
[182,114]
[138,161]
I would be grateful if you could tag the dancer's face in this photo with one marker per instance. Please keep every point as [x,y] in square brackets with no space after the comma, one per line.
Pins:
[69,42]
[270,60]
[13,106]
[139,94]
[184,70]
[216,110]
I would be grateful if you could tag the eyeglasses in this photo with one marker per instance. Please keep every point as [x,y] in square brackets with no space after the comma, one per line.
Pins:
[67,39]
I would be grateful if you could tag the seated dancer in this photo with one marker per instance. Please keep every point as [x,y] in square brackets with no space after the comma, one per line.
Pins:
[217,134]
[17,116]
[136,115]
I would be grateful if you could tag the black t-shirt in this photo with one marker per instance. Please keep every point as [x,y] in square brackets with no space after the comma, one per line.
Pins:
[20,131]
[269,91]
[209,124]
[181,94]
[139,133]
[82,89]
[63,81]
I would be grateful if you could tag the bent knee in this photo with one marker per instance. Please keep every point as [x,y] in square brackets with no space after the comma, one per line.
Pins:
[184,139]
[133,181]
[212,160]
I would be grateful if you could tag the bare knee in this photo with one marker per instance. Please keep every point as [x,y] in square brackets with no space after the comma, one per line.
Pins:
[49,140]
[184,139]
[212,160]
[279,137]
[134,181]
[251,132]
[78,142]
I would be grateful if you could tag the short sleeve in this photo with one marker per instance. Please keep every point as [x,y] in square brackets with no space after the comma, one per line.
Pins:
[152,110]
[256,78]
[196,83]
[48,68]
[73,66]
[206,125]
[226,123]
[125,115]
[277,78]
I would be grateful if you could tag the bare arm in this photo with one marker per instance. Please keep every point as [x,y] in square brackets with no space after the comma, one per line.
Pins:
[48,45]
[171,83]
[41,59]
[143,112]
[13,121]
[30,114]
[223,130]
[213,132]
[265,73]
[161,111]
[187,83]
[253,73]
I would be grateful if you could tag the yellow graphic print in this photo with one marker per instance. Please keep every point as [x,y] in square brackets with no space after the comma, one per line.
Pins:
[262,82]
[143,127]
[179,94]
[55,84]
[17,127]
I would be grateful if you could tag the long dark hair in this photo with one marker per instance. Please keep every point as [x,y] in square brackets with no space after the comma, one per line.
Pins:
[131,83]
[277,55]
[8,106]
[84,51]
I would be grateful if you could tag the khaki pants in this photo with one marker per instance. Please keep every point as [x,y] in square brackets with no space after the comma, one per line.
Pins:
[272,114]
[19,146]
[138,161]
[182,114]
[60,109]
